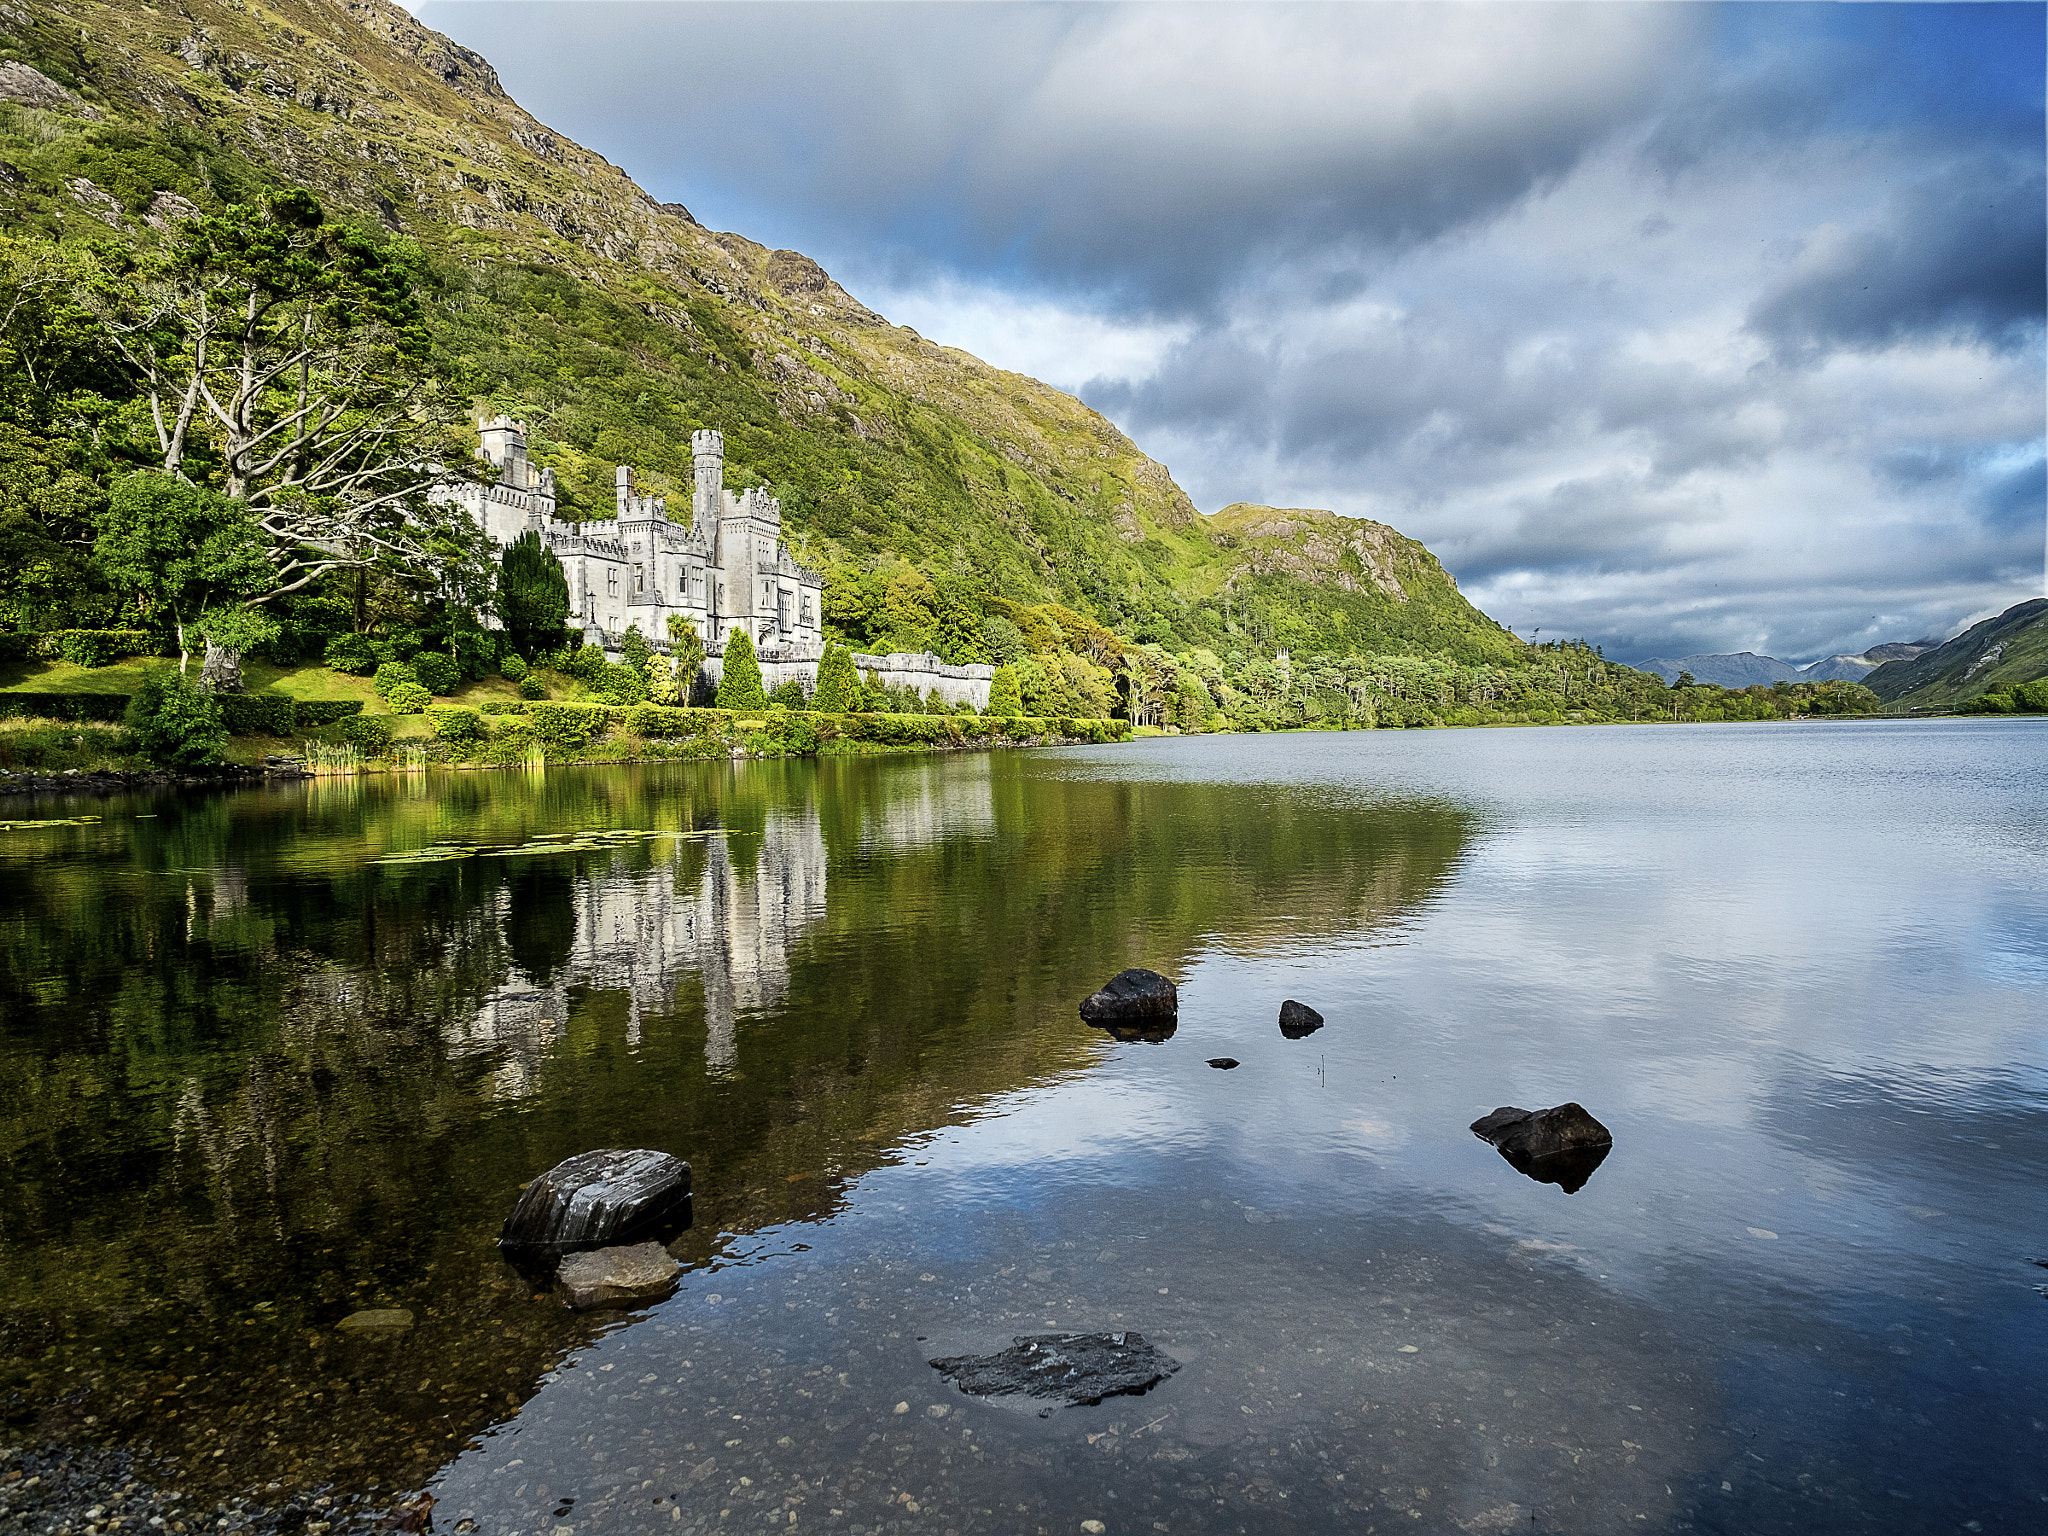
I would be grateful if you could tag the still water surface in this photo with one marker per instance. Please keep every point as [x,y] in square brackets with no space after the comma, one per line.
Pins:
[262,1071]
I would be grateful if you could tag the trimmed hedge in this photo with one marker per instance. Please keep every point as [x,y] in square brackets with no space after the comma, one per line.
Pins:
[258,714]
[81,647]
[64,706]
[313,713]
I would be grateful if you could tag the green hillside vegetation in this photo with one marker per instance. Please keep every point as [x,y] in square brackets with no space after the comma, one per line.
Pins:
[1992,657]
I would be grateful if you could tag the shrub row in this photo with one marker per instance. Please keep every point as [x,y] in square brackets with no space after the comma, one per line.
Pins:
[244,714]
[64,706]
[81,647]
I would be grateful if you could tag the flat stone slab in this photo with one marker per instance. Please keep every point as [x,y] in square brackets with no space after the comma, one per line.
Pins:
[1065,1367]
[603,1199]
[1298,1019]
[617,1277]
[1133,997]
[375,1321]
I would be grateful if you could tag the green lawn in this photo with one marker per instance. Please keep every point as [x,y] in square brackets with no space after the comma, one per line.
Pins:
[299,682]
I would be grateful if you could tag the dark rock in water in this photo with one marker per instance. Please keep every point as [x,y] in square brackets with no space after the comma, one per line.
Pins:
[617,1277]
[1560,1146]
[1542,1132]
[1224,1062]
[1133,997]
[1066,1367]
[603,1199]
[1298,1019]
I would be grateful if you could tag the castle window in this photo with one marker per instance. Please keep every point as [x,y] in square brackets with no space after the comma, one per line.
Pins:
[682,581]
[611,581]
[806,610]
[639,577]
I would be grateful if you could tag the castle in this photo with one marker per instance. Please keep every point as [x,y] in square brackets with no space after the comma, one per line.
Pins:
[727,570]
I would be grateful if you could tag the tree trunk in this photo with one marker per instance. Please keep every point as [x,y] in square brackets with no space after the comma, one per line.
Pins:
[222,670]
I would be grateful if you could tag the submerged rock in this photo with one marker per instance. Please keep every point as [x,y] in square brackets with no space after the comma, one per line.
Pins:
[1224,1063]
[603,1199]
[377,1320]
[1298,1019]
[1561,1146]
[1066,1367]
[617,1277]
[1133,997]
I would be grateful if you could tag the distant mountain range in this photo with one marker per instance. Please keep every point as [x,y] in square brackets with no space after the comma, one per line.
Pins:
[1745,669]
[1999,652]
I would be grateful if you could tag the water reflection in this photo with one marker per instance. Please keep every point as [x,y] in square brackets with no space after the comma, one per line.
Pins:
[258,1077]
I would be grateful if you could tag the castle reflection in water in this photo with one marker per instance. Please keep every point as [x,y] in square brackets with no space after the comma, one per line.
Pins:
[648,932]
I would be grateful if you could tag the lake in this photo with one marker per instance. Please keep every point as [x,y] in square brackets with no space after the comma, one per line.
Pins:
[278,1056]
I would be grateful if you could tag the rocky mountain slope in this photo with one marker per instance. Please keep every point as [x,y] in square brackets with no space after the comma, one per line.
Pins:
[1995,654]
[615,324]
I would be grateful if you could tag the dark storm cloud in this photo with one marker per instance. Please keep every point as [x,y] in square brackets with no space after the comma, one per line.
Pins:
[1685,328]
[1964,251]
[1151,152]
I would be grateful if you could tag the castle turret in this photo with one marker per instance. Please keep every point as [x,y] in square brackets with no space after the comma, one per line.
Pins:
[504,444]
[623,483]
[708,504]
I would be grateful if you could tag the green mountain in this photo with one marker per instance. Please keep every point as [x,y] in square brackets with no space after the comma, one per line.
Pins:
[614,325]
[1989,657]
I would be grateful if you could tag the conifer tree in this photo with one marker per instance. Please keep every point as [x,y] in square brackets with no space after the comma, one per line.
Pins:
[1004,701]
[839,691]
[533,595]
[739,685]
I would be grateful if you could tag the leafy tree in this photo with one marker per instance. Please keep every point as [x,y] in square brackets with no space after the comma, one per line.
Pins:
[788,695]
[1004,702]
[739,683]
[293,350]
[173,723]
[181,548]
[838,691]
[685,653]
[533,594]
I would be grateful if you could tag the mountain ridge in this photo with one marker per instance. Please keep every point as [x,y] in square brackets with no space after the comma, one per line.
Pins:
[884,445]
[2006,649]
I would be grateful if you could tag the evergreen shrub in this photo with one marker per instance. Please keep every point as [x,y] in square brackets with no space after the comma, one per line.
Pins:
[370,735]
[353,654]
[436,673]
[408,699]
[458,726]
[531,687]
[392,674]
[173,724]
[739,684]
[512,669]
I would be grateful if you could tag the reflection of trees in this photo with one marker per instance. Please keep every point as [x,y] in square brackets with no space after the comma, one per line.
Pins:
[540,920]
[244,1064]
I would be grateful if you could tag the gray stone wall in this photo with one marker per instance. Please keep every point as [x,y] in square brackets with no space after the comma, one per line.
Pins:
[921,670]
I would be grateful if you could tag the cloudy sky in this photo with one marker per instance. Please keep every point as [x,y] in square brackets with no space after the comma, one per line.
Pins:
[1677,327]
